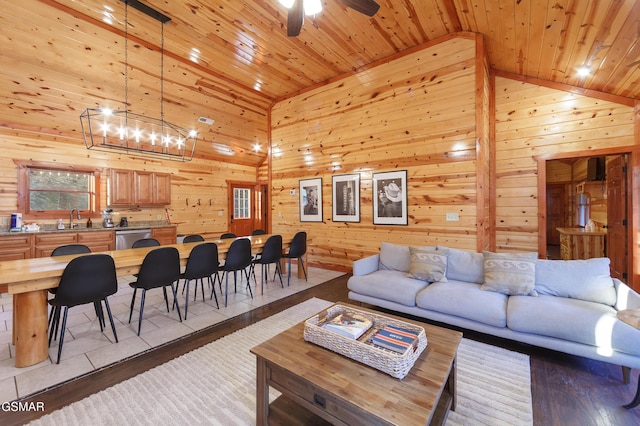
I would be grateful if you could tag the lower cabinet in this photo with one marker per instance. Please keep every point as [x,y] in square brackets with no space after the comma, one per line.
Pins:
[164,235]
[16,247]
[98,240]
[44,244]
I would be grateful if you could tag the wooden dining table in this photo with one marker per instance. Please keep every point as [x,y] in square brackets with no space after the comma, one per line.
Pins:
[29,280]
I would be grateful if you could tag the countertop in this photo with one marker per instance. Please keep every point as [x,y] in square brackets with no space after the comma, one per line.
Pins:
[82,227]
[579,231]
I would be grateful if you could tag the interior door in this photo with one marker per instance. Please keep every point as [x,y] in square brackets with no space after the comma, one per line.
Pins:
[617,216]
[243,209]
[556,207]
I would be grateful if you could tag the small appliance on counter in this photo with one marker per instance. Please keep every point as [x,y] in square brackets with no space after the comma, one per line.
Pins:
[123,222]
[16,222]
[107,220]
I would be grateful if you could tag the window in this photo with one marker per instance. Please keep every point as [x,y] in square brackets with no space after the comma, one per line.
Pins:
[241,203]
[46,191]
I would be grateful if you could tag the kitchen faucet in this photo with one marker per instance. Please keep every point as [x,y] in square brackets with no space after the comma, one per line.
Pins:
[71,224]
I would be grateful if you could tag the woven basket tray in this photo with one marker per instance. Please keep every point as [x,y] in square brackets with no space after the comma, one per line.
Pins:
[393,363]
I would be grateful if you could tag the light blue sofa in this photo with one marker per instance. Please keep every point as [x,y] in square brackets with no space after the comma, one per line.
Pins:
[574,310]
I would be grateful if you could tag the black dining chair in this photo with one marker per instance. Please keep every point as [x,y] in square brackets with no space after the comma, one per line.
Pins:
[202,263]
[85,279]
[193,238]
[297,250]
[70,249]
[145,242]
[258,232]
[160,268]
[228,235]
[63,251]
[238,259]
[271,253]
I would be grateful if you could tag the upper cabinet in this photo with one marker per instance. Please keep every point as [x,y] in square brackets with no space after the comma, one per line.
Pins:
[139,188]
[121,192]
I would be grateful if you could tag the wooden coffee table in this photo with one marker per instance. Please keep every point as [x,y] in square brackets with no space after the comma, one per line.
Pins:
[320,386]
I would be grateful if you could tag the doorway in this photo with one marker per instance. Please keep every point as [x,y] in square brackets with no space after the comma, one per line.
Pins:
[247,207]
[581,188]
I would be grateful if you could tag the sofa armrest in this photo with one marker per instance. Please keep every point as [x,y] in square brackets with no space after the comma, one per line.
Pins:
[366,265]
[626,297]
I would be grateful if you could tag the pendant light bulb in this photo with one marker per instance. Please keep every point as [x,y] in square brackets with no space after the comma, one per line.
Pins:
[287,3]
[312,7]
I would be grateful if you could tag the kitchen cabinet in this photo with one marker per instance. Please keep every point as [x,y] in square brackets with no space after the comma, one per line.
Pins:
[121,188]
[98,240]
[162,191]
[139,188]
[576,243]
[165,235]
[44,244]
[16,247]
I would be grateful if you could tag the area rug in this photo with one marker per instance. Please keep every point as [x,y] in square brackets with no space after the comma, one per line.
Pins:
[215,384]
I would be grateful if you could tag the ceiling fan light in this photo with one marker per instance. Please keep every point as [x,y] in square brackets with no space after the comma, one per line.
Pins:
[312,7]
[287,3]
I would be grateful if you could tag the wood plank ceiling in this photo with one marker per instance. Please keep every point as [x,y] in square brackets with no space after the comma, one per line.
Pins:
[61,56]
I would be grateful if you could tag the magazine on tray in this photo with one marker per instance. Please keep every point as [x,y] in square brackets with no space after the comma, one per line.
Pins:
[395,338]
[349,324]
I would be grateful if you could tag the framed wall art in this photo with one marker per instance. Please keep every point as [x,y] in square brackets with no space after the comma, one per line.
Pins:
[346,198]
[310,200]
[390,198]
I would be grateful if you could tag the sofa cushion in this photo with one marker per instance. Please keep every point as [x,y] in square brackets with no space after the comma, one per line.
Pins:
[575,320]
[464,265]
[394,286]
[427,264]
[465,300]
[510,273]
[394,257]
[578,279]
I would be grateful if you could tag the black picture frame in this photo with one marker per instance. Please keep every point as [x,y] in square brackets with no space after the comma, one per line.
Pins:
[345,204]
[390,198]
[310,200]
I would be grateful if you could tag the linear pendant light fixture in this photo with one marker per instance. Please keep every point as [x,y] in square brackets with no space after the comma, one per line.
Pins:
[137,134]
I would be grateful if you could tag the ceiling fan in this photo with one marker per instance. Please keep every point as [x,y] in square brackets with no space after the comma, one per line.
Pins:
[298,8]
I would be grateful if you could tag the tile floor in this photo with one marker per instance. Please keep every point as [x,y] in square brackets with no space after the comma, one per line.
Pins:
[86,349]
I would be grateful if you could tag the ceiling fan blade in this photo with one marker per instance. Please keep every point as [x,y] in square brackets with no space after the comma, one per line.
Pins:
[295,19]
[368,7]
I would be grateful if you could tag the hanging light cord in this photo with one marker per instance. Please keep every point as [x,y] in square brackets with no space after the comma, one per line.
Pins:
[162,73]
[126,58]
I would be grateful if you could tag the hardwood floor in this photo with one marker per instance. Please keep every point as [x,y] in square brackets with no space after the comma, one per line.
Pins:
[567,390]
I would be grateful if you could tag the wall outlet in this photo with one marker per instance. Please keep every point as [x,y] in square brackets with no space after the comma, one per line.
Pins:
[292,192]
[452,217]
[219,212]
[158,217]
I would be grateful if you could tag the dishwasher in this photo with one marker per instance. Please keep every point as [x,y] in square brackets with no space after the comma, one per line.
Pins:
[125,239]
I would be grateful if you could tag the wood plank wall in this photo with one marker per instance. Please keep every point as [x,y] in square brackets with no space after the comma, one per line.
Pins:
[533,120]
[414,113]
[198,188]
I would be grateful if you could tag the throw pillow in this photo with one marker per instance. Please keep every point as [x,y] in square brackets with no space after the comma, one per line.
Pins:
[586,279]
[394,257]
[464,265]
[427,264]
[510,273]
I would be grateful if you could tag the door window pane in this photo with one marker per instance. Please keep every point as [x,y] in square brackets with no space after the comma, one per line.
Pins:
[241,203]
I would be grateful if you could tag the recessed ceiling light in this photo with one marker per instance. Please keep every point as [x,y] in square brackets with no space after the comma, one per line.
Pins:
[584,71]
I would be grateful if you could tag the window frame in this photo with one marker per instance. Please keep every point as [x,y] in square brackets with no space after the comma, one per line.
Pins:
[24,189]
